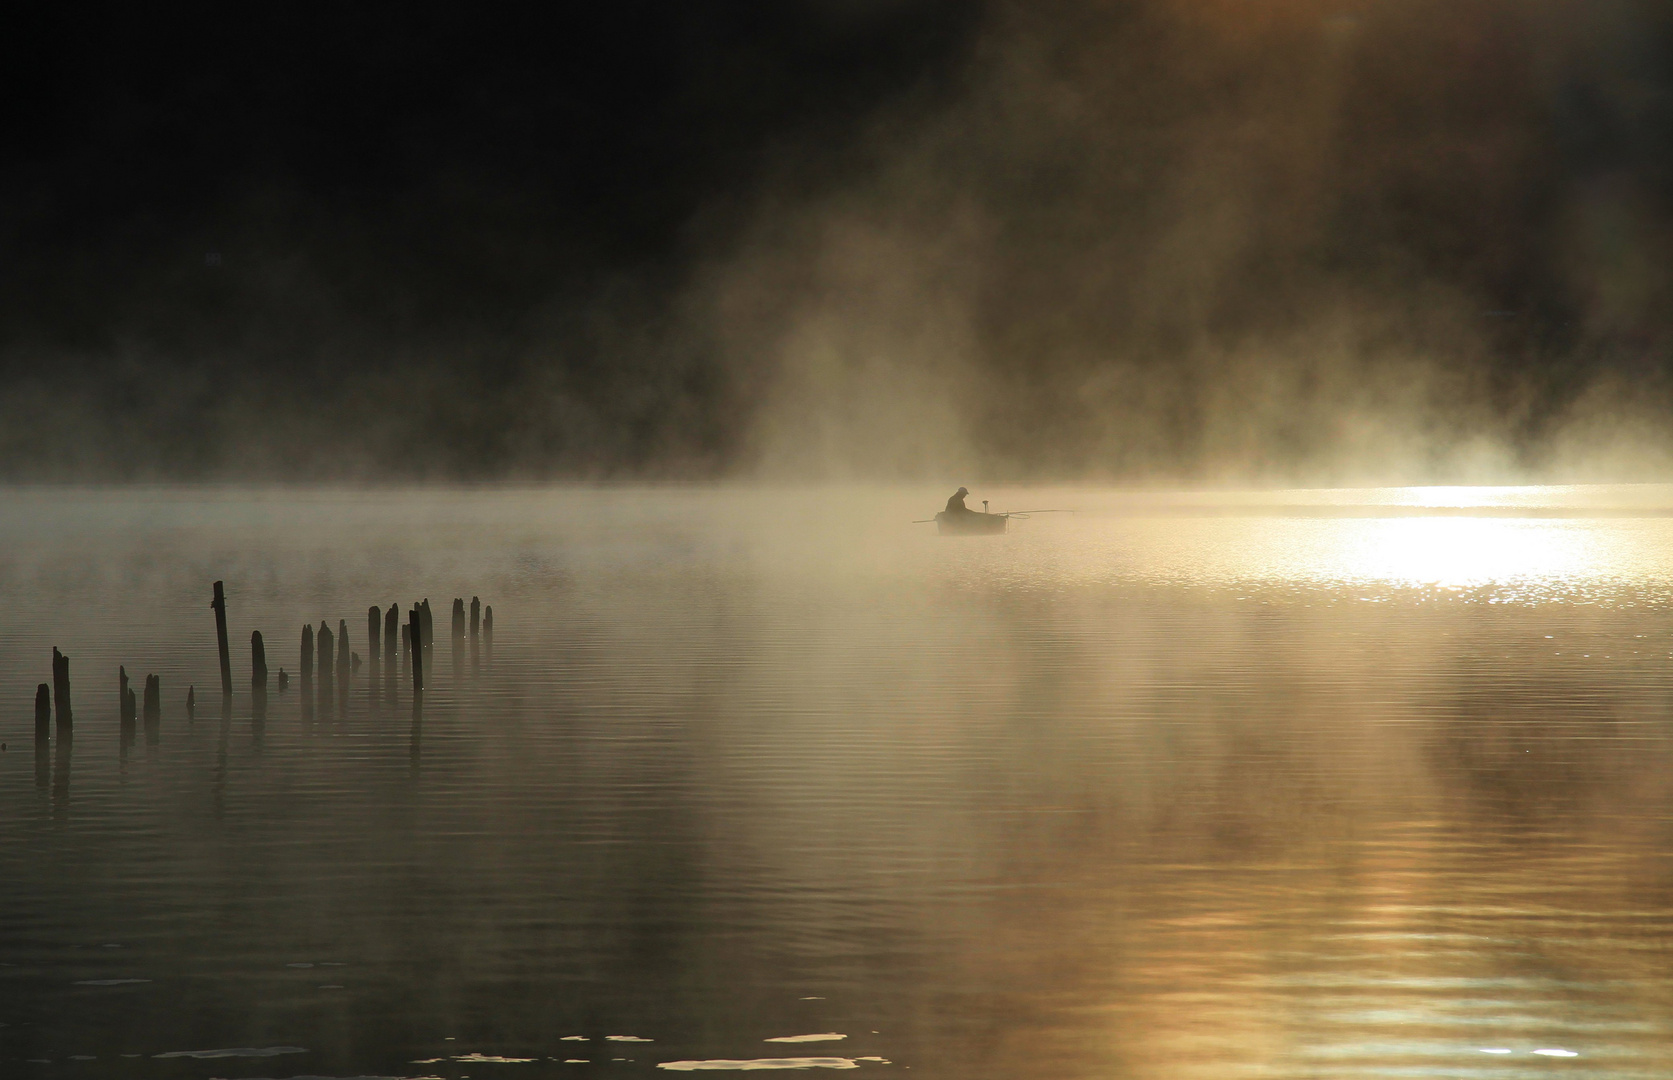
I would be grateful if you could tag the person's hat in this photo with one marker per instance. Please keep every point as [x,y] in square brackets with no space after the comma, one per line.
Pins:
[962,491]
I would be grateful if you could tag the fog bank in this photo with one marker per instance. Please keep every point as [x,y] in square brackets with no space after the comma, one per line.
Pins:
[1159,242]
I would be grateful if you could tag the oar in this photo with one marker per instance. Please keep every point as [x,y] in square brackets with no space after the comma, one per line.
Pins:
[1021,513]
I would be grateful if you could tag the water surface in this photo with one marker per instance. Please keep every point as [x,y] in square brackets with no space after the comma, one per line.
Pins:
[1293,784]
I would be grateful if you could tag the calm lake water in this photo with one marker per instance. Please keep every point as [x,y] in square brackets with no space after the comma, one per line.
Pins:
[1281,784]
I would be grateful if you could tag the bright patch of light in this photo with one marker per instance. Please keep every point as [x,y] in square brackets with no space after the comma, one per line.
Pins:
[1557,1053]
[1465,552]
[1460,496]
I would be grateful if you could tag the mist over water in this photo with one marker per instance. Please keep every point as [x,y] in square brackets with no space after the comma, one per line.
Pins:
[1344,783]
[1243,244]
[1285,242]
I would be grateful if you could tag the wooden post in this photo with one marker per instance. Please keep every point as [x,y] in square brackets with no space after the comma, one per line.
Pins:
[374,639]
[488,632]
[129,711]
[124,699]
[391,641]
[345,665]
[153,706]
[327,662]
[391,630]
[306,666]
[43,734]
[476,633]
[191,703]
[415,631]
[456,635]
[284,681]
[61,692]
[428,636]
[43,712]
[220,606]
[258,662]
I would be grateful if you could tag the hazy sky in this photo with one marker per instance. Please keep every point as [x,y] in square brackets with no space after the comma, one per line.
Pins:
[1244,241]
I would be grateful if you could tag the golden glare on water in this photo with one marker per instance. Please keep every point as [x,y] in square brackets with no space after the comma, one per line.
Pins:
[1521,544]
[1458,553]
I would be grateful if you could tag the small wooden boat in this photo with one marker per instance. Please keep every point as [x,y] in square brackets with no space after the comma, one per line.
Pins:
[969,523]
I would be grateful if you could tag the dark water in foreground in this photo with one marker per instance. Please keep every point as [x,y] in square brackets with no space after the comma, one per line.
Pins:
[1142,792]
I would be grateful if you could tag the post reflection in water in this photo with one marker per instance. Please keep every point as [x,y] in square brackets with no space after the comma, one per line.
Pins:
[218,780]
[416,733]
[43,762]
[1244,785]
[61,772]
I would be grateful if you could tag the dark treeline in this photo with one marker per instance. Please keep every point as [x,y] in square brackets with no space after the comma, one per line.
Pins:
[1056,238]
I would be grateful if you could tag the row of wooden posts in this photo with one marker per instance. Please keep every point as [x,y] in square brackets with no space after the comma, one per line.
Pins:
[417,639]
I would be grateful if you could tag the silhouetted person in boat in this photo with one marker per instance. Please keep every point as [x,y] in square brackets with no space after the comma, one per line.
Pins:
[955,505]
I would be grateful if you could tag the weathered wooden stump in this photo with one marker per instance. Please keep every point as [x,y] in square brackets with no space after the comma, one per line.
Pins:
[327,663]
[220,606]
[125,705]
[415,631]
[326,642]
[153,715]
[428,636]
[284,681]
[258,661]
[488,632]
[307,658]
[456,635]
[391,631]
[191,703]
[43,734]
[43,712]
[61,692]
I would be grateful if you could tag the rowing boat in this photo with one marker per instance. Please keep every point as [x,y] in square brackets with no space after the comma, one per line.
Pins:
[969,523]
